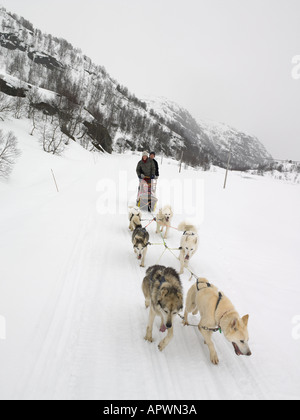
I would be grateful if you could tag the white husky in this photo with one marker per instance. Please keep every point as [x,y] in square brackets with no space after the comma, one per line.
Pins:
[135,217]
[164,219]
[189,244]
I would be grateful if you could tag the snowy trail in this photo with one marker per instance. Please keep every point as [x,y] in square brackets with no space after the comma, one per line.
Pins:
[95,337]
[76,315]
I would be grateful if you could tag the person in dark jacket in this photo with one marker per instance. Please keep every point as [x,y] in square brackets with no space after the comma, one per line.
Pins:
[152,156]
[146,167]
[146,170]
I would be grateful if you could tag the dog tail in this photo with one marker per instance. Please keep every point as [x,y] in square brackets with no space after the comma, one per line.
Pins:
[185,227]
[182,226]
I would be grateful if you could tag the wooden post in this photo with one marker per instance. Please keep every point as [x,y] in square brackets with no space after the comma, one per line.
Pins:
[55,181]
[180,166]
[226,176]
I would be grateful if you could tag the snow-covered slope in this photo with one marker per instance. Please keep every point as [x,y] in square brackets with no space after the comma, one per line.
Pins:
[70,287]
[44,61]
[217,138]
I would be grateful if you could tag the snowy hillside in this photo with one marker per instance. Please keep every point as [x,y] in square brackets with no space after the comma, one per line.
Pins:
[120,120]
[70,289]
[217,138]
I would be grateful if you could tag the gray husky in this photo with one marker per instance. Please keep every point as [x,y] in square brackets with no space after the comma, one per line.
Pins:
[163,293]
[140,241]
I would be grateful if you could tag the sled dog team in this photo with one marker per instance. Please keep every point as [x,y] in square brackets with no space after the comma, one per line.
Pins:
[163,291]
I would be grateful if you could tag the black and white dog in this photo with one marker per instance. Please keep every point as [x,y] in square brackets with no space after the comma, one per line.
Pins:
[140,241]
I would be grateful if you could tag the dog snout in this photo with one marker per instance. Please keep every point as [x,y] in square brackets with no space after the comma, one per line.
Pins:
[169,325]
[247,351]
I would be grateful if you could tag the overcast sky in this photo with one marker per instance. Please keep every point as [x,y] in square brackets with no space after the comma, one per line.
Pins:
[224,60]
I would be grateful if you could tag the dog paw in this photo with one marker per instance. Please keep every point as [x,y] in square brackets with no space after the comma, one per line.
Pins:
[214,359]
[161,346]
[148,338]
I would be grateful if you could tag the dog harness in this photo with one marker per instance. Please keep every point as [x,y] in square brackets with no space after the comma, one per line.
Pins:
[218,303]
[188,233]
[162,281]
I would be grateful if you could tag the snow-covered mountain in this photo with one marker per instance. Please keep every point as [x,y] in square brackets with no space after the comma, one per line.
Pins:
[217,138]
[96,111]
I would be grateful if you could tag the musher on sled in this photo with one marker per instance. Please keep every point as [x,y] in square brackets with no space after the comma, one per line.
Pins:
[147,172]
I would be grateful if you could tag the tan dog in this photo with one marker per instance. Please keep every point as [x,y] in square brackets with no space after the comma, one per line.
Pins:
[163,293]
[189,244]
[163,220]
[135,217]
[216,310]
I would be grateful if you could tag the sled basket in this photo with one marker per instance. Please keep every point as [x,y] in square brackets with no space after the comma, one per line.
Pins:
[147,203]
[147,200]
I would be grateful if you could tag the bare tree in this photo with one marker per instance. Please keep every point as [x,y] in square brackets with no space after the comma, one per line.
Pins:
[5,106]
[52,138]
[33,98]
[8,152]
[18,107]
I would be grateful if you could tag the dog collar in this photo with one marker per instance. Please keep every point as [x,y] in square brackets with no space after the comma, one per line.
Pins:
[225,313]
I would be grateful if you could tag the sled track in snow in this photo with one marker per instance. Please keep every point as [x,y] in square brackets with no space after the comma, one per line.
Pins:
[85,334]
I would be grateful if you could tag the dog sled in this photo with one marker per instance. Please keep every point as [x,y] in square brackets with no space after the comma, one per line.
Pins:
[146,199]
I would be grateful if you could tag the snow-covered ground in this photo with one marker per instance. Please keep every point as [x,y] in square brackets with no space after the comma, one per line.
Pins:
[70,288]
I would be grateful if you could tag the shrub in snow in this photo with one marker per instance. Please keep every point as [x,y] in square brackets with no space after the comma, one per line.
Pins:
[6,106]
[52,138]
[8,153]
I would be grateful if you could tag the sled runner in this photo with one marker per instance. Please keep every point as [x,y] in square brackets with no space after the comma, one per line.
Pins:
[146,199]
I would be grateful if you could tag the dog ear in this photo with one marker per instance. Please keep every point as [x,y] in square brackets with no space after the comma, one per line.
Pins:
[233,323]
[245,320]
[180,296]
[164,292]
